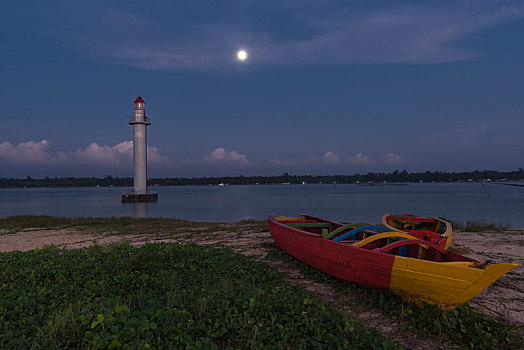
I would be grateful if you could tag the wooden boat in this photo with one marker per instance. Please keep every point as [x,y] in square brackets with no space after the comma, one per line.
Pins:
[435,230]
[413,268]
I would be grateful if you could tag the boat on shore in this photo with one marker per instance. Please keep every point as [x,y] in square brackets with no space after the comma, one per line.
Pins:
[415,269]
[435,230]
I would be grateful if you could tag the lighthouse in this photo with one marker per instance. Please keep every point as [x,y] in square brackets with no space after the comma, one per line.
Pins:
[140,123]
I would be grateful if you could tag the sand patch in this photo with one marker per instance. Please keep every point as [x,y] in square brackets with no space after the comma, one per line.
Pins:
[34,238]
[504,298]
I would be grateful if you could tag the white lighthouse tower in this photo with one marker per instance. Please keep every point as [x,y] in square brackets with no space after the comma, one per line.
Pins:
[140,122]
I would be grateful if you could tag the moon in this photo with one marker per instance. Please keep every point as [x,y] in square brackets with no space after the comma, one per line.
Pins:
[242,55]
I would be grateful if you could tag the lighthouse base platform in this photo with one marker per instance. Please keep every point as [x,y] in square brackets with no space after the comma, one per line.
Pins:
[143,197]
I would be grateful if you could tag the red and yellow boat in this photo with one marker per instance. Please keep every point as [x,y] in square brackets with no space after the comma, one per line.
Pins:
[435,230]
[413,268]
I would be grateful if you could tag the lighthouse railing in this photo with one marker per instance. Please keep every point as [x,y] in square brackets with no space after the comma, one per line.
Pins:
[145,120]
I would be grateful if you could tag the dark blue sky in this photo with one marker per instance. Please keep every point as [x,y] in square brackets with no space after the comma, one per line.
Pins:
[329,87]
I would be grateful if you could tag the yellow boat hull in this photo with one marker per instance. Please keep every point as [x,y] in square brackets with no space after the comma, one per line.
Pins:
[446,284]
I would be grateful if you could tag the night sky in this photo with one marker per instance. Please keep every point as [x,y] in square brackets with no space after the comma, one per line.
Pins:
[329,87]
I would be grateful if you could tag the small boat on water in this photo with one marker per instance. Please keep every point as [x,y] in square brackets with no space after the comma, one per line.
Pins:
[435,230]
[374,256]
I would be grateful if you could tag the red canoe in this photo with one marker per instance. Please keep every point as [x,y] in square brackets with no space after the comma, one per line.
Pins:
[413,268]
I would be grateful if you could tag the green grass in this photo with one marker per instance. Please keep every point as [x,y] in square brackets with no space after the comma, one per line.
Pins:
[162,296]
[479,226]
[46,221]
[463,326]
[120,225]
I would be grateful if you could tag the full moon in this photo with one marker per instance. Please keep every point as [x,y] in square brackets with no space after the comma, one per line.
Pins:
[242,55]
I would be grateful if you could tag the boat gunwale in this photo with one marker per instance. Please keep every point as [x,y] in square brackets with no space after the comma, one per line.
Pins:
[371,251]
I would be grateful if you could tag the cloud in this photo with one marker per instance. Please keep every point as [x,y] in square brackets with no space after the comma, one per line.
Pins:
[119,154]
[31,152]
[360,159]
[392,159]
[341,33]
[328,160]
[154,157]
[35,152]
[330,157]
[220,155]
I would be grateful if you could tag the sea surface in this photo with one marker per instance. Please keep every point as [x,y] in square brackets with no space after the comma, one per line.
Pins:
[488,202]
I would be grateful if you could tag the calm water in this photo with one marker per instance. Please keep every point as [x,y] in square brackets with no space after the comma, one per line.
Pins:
[456,201]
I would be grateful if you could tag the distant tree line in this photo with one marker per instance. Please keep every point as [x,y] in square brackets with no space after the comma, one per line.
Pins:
[370,177]
[67,182]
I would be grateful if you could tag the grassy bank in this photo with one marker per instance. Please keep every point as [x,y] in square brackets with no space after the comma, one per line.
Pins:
[18,222]
[169,295]
[479,226]
[162,296]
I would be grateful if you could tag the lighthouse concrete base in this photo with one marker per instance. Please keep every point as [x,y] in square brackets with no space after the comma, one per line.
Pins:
[145,197]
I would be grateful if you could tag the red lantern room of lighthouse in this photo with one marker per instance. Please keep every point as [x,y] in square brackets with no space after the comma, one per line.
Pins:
[139,103]
[140,113]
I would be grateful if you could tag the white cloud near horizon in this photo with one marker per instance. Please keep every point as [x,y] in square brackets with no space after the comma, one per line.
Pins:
[121,155]
[392,159]
[342,33]
[220,155]
[330,157]
[360,159]
[36,152]
[31,152]
[103,154]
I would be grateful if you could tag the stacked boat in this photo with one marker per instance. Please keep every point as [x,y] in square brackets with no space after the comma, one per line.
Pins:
[435,230]
[408,255]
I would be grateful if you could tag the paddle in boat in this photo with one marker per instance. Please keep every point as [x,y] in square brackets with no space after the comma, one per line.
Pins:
[435,230]
[375,256]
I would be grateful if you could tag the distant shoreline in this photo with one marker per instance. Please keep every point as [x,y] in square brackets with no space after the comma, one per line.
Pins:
[371,178]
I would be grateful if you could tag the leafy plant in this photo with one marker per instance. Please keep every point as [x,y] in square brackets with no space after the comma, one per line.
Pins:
[162,296]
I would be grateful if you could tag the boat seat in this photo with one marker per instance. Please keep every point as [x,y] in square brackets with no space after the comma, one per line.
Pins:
[354,233]
[347,241]
[393,234]
[329,235]
[404,242]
